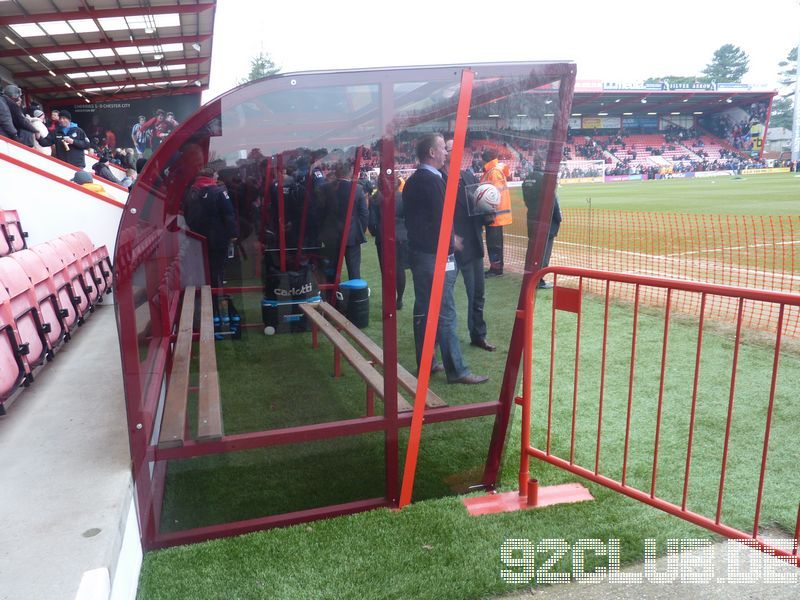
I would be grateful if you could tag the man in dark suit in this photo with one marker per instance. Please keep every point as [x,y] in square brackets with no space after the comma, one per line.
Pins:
[423,199]
[468,228]
[555,225]
[337,197]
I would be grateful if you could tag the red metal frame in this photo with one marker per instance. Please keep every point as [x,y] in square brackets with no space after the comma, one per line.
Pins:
[119,64]
[766,129]
[178,39]
[649,497]
[437,286]
[102,13]
[281,214]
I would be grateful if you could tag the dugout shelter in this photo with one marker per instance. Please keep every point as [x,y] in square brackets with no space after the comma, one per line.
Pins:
[241,435]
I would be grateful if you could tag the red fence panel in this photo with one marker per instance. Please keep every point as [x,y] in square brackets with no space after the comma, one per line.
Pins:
[697,426]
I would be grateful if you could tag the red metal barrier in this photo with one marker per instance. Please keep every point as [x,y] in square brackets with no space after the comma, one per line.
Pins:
[569,299]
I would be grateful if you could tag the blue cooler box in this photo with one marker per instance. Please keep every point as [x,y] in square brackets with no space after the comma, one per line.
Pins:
[353,300]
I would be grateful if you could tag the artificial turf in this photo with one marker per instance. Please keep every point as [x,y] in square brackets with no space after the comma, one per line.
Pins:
[433,549]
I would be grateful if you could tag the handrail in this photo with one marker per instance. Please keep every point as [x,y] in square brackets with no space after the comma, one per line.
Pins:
[66,182]
[59,161]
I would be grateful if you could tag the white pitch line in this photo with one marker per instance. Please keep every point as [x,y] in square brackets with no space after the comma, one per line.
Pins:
[708,265]
[790,243]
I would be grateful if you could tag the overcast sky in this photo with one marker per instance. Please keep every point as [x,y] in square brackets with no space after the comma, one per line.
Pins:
[622,40]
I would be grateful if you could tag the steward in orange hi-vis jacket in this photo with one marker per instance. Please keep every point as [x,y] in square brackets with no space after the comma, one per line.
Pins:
[496,173]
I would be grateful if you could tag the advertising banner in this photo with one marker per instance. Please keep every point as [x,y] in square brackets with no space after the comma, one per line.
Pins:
[598,179]
[766,171]
[704,174]
[574,122]
[111,123]
[613,178]
[592,122]
[644,122]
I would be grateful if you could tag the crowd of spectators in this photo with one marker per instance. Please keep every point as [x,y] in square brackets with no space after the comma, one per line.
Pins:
[57,135]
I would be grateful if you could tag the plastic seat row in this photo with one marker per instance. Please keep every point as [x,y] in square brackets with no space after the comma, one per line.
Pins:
[12,237]
[46,291]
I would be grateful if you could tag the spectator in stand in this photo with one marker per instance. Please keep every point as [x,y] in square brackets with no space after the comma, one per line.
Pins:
[496,174]
[7,128]
[129,179]
[69,140]
[423,203]
[101,169]
[141,136]
[37,120]
[84,179]
[26,133]
[51,126]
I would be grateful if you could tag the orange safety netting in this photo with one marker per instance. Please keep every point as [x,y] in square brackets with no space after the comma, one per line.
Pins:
[760,252]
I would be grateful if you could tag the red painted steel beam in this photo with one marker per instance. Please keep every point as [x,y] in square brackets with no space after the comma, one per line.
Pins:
[201,534]
[149,41]
[116,83]
[437,287]
[119,64]
[188,89]
[104,13]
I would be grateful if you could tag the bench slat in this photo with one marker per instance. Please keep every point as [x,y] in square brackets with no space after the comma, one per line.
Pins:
[209,412]
[406,380]
[370,375]
[173,422]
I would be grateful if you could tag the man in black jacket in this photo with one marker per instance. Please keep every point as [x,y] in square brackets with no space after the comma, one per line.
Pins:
[337,198]
[69,140]
[208,211]
[423,204]
[26,132]
[468,229]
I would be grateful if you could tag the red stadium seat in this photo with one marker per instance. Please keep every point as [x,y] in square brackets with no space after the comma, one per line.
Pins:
[13,369]
[46,296]
[12,230]
[83,288]
[100,260]
[72,300]
[5,245]
[25,311]
[83,257]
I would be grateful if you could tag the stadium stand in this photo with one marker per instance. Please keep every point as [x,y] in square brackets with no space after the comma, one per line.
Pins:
[45,292]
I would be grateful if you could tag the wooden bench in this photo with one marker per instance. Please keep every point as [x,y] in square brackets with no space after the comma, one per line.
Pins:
[209,414]
[329,321]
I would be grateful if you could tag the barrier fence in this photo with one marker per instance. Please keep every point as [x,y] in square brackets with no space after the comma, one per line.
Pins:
[701,434]
[758,252]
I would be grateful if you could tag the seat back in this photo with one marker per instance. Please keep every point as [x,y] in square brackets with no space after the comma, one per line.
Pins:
[12,367]
[74,272]
[62,283]
[24,309]
[83,258]
[79,241]
[13,230]
[45,294]
[5,245]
